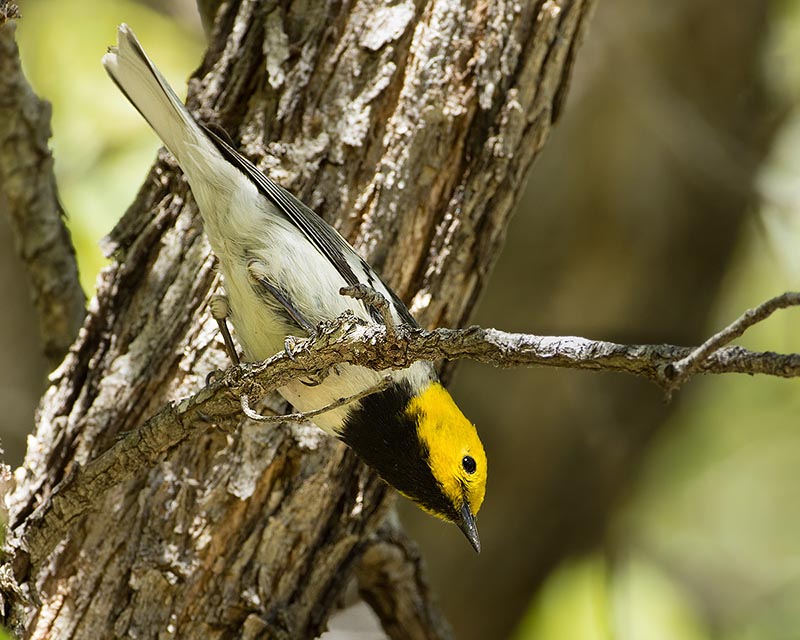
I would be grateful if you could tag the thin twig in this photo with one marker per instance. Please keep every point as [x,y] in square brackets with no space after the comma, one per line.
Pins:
[306,416]
[680,371]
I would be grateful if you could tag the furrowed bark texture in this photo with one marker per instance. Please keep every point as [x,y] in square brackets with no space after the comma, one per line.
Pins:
[409,127]
[29,200]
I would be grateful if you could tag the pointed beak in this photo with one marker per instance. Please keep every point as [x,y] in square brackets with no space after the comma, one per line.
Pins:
[468,526]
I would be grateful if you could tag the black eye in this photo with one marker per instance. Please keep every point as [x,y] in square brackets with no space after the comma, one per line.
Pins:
[468,462]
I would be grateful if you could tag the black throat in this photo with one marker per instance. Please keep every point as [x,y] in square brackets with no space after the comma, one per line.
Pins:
[384,435]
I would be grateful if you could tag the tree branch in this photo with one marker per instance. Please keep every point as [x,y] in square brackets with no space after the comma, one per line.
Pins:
[351,340]
[28,194]
[681,371]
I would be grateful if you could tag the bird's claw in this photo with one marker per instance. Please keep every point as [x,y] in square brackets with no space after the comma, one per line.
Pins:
[214,375]
[289,345]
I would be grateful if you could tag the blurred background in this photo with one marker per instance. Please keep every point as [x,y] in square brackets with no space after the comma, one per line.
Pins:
[666,202]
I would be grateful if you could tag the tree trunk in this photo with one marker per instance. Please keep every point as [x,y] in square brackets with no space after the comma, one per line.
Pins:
[410,128]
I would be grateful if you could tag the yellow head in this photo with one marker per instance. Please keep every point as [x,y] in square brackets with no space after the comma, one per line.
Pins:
[421,444]
[455,454]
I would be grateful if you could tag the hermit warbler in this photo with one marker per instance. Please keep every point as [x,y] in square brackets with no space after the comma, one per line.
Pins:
[283,267]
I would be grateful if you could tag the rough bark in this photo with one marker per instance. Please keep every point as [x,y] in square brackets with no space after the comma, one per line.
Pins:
[29,199]
[392,579]
[410,128]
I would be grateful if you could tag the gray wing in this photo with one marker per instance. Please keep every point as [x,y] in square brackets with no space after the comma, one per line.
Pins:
[318,232]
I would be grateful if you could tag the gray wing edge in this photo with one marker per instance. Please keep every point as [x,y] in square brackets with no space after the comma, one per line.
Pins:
[319,233]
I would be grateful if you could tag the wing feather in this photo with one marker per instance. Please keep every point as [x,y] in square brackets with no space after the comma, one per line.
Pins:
[318,232]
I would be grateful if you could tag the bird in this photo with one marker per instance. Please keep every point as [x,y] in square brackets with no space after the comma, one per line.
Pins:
[283,268]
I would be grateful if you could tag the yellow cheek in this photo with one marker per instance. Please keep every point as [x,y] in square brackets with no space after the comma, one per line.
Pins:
[449,436]
[477,490]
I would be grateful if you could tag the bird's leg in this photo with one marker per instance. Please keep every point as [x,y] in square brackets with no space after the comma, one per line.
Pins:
[221,311]
[372,299]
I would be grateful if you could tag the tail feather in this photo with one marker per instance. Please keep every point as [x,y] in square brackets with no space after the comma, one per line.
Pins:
[148,91]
